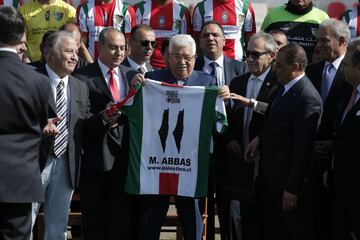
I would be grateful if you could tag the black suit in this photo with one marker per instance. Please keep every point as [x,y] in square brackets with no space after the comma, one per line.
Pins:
[24,101]
[251,212]
[286,148]
[127,64]
[107,211]
[346,174]
[232,69]
[331,108]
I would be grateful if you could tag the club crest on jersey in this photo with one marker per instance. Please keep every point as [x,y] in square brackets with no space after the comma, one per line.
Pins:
[118,19]
[224,17]
[58,15]
[161,21]
[47,16]
[240,19]
[177,24]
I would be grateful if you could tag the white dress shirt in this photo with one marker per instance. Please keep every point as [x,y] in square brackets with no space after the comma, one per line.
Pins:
[291,83]
[54,82]
[220,78]
[136,66]
[119,78]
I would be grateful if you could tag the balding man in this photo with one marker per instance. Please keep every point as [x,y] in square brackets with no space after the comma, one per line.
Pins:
[107,210]
[285,148]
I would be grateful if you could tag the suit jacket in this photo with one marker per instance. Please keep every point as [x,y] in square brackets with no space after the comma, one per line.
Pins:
[347,164]
[127,64]
[102,145]
[287,141]
[24,101]
[196,78]
[78,114]
[334,100]
[232,68]
[266,94]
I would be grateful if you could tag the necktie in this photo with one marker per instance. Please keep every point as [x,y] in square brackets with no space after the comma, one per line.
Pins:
[326,81]
[61,139]
[351,102]
[248,112]
[214,72]
[114,89]
[141,70]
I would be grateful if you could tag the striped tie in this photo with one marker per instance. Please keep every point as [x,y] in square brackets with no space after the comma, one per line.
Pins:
[61,139]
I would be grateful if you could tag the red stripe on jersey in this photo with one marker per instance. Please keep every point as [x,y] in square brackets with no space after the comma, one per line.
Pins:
[104,13]
[168,183]
[224,13]
[161,19]
[229,48]
[358,21]
[96,50]
[171,85]
[251,9]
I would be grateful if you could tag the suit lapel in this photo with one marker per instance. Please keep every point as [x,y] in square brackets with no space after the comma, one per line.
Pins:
[74,96]
[227,67]
[199,64]
[100,82]
[266,86]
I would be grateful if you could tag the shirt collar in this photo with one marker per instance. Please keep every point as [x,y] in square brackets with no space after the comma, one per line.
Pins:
[288,85]
[262,76]
[219,61]
[135,65]
[6,49]
[336,62]
[105,69]
[55,79]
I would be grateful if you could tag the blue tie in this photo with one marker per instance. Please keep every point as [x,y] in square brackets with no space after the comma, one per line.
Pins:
[326,82]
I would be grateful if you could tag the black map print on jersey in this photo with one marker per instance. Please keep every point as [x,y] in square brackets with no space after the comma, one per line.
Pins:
[179,129]
[164,129]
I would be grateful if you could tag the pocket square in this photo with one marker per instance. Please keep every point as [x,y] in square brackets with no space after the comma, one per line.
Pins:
[358,113]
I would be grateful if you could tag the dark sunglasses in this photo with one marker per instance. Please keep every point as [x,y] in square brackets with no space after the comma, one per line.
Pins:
[255,54]
[145,43]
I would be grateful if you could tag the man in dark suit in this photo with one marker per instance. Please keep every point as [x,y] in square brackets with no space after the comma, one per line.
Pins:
[61,147]
[224,69]
[286,147]
[251,92]
[24,101]
[347,165]
[142,44]
[107,210]
[180,71]
[328,78]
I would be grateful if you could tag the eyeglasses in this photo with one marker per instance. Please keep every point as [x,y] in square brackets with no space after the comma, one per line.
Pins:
[177,57]
[146,43]
[255,54]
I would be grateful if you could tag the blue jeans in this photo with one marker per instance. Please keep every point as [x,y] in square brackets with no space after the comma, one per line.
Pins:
[58,193]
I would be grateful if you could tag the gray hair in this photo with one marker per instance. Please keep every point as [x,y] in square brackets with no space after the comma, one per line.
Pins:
[270,44]
[182,40]
[354,47]
[105,32]
[52,43]
[339,28]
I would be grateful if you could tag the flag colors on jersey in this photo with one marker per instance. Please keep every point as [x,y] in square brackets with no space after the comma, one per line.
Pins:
[170,132]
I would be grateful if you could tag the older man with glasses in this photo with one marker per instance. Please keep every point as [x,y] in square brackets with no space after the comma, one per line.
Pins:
[142,44]
[180,71]
[251,93]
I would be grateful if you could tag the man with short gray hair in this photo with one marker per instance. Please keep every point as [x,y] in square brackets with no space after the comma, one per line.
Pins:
[328,78]
[60,148]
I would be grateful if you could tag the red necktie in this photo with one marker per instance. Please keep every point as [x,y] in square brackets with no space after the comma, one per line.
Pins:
[113,86]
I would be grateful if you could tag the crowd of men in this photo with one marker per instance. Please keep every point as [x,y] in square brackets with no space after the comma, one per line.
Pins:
[285,168]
